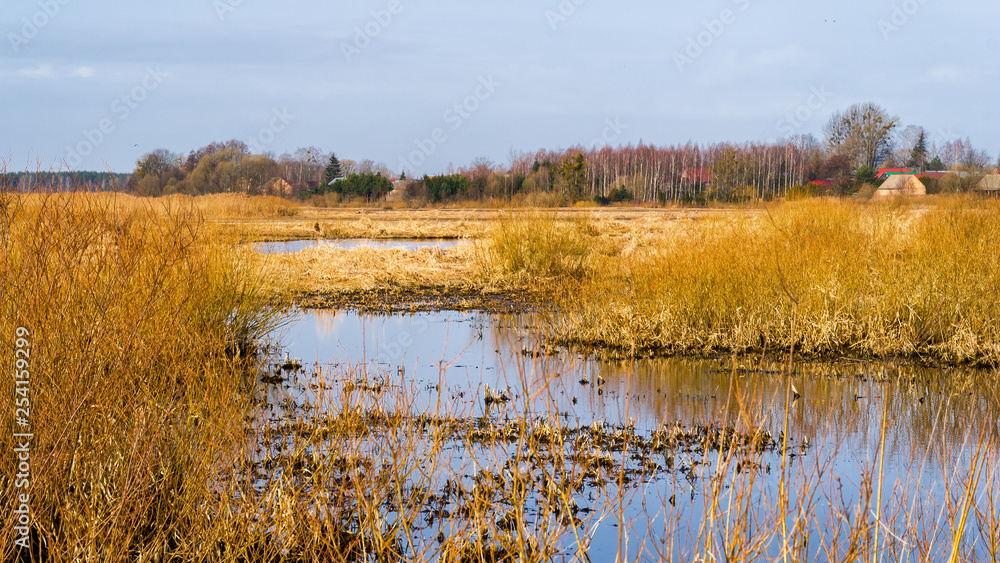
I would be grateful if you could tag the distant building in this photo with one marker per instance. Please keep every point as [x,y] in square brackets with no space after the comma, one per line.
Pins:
[884,173]
[279,187]
[398,192]
[990,184]
[697,175]
[902,184]
[934,174]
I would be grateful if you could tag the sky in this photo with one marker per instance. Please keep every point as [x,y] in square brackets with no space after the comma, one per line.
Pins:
[420,86]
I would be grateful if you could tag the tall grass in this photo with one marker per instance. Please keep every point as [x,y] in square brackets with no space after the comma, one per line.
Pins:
[237,206]
[827,277]
[142,336]
[151,443]
[535,248]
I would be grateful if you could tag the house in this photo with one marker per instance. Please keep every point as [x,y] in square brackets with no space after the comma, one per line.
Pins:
[884,173]
[697,175]
[990,184]
[934,174]
[278,186]
[398,192]
[902,184]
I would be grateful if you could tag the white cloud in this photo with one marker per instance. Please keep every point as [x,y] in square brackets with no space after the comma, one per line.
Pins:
[83,72]
[41,71]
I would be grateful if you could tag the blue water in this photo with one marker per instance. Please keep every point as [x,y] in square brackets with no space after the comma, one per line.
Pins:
[834,424]
[353,244]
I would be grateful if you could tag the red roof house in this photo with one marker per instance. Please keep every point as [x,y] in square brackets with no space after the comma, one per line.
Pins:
[700,175]
[884,173]
[937,175]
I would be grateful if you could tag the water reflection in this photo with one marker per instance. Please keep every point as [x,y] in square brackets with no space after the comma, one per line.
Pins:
[931,419]
[927,410]
[290,247]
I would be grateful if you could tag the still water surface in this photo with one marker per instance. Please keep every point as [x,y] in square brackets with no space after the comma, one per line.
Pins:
[353,244]
[834,412]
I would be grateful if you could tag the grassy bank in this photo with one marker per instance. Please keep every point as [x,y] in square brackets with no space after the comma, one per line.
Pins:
[140,329]
[829,278]
[317,223]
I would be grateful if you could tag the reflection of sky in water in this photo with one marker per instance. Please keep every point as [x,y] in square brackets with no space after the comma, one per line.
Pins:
[839,412]
[844,401]
[352,244]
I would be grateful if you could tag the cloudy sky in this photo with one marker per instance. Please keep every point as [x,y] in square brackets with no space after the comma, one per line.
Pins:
[421,85]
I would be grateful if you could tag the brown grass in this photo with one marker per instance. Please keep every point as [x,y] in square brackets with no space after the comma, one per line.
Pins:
[328,269]
[141,334]
[828,278]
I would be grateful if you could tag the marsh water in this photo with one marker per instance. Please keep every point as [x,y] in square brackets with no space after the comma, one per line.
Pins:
[933,419]
[353,244]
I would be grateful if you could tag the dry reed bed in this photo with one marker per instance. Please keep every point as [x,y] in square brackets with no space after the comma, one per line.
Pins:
[828,278]
[141,327]
[328,269]
[368,224]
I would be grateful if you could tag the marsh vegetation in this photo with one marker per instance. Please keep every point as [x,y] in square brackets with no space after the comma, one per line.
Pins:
[169,427]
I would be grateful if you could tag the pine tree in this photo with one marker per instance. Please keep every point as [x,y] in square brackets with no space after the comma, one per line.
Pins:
[333,169]
[918,156]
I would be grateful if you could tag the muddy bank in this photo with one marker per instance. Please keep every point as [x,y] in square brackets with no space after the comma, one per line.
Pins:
[389,300]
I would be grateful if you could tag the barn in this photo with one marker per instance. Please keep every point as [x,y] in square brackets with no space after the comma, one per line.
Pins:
[902,184]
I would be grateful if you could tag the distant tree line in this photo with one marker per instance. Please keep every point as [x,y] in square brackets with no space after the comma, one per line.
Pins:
[230,167]
[62,181]
[856,142]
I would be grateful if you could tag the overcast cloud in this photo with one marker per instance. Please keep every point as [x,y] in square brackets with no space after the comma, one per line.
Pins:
[421,85]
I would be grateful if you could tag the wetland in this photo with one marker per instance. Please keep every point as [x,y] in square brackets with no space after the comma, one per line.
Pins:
[801,381]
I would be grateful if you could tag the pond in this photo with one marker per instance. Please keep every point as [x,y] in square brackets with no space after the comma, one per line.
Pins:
[353,244]
[831,433]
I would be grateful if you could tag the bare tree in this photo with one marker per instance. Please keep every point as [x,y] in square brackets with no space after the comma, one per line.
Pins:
[863,133]
[976,159]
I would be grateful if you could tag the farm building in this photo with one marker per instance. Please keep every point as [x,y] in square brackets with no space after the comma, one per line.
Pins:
[697,175]
[902,184]
[278,186]
[990,184]
[884,173]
